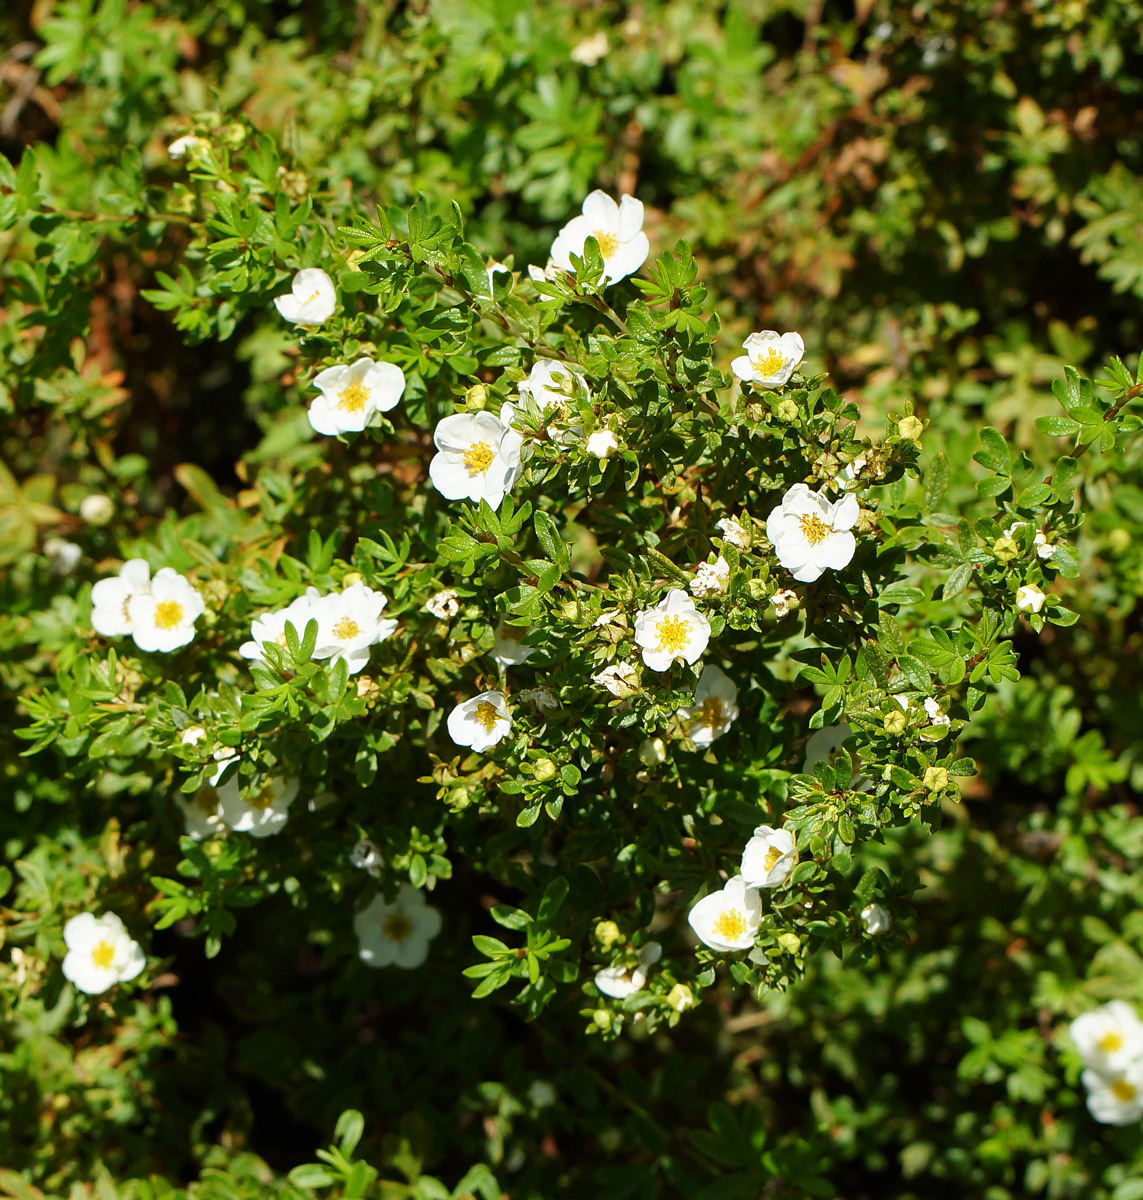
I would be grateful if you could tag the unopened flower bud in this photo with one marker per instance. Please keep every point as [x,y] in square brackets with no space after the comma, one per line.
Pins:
[680,998]
[936,779]
[910,429]
[786,410]
[1005,548]
[96,509]
[544,769]
[476,396]
[894,722]
[607,934]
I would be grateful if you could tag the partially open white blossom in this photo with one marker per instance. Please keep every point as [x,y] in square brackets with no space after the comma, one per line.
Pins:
[618,228]
[349,624]
[554,386]
[933,712]
[620,679]
[674,629]
[397,934]
[711,578]
[478,458]
[1116,1099]
[734,532]
[96,509]
[876,919]
[111,598]
[508,647]
[769,857]
[1108,1038]
[100,953]
[201,812]
[351,395]
[770,358]
[601,443]
[727,920]
[715,707]
[1030,598]
[311,299]
[444,605]
[1044,548]
[810,534]
[271,627]
[680,998]
[623,981]
[783,600]
[590,50]
[260,812]
[480,722]
[163,618]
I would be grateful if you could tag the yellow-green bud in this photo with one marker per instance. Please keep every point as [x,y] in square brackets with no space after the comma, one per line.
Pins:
[787,410]
[936,779]
[910,428]
[894,722]
[351,578]
[601,1019]
[680,997]
[476,396]
[544,769]
[1005,548]
[790,942]
[607,934]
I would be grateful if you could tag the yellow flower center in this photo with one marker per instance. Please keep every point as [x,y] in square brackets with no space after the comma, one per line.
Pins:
[263,799]
[772,857]
[346,629]
[1123,1091]
[478,458]
[168,613]
[1110,1042]
[710,713]
[486,716]
[769,364]
[731,925]
[102,955]
[814,529]
[280,640]
[353,398]
[397,926]
[608,242]
[127,608]
[673,633]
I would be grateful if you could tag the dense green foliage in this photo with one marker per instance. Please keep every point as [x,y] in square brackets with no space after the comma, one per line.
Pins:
[944,200]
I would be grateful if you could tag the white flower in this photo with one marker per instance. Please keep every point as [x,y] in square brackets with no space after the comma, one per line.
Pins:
[620,679]
[1044,548]
[349,623]
[261,812]
[553,385]
[96,509]
[715,708]
[1115,1099]
[163,618]
[111,598]
[876,919]
[63,556]
[201,817]
[601,443]
[478,458]
[590,50]
[769,857]
[444,605]
[545,274]
[729,919]
[1029,598]
[621,982]
[542,699]
[734,533]
[783,600]
[271,626]
[187,144]
[933,711]
[1109,1038]
[311,299]
[823,745]
[673,629]
[810,534]
[480,722]
[652,751]
[351,395]
[508,647]
[100,953]
[770,358]
[618,228]
[397,934]
[711,578]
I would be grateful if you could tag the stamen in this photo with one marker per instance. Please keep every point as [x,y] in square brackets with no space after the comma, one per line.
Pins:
[346,629]
[731,925]
[103,954]
[397,927]
[478,458]
[353,398]
[814,529]
[769,364]
[674,633]
[486,716]
[168,613]
[608,242]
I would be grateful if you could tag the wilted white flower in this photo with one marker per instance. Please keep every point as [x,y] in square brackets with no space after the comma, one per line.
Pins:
[163,618]
[480,722]
[271,626]
[734,533]
[96,509]
[769,857]
[711,578]
[508,647]
[933,711]
[1029,598]
[1116,1099]
[478,458]
[444,605]
[63,556]
[351,395]
[876,919]
[810,534]
[187,144]
[673,629]
[621,982]
[728,920]
[542,699]
[618,228]
[783,600]
[590,50]
[770,358]
[349,623]
[311,299]
[552,385]
[397,934]
[620,679]
[100,953]
[601,443]
[1110,1038]
[1044,548]
[715,708]
[652,751]
[111,598]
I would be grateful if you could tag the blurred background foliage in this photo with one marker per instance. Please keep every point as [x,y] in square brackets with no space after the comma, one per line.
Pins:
[944,198]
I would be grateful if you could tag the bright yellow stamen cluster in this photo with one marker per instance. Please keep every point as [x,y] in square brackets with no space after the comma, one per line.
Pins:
[814,529]
[608,242]
[731,925]
[486,716]
[353,398]
[772,857]
[103,954]
[346,629]
[1123,1091]
[769,364]
[168,613]
[1110,1042]
[674,633]
[478,458]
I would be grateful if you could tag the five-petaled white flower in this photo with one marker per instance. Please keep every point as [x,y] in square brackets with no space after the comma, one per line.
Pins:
[478,457]
[100,953]
[876,919]
[1109,1038]
[444,605]
[1029,598]
[508,647]
[311,299]
[111,598]
[163,618]
[397,934]
[480,722]
[552,385]
[349,623]
[715,708]
[770,358]
[260,812]
[351,395]
[618,228]
[620,679]
[810,534]
[623,981]
[728,919]
[673,629]
[769,857]
[1115,1099]
[711,578]
[601,443]
[271,626]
